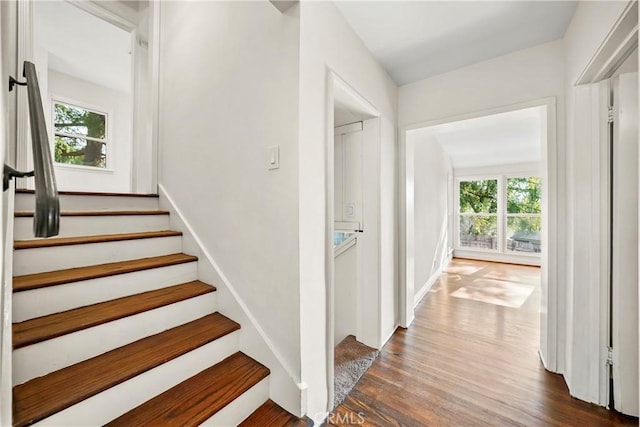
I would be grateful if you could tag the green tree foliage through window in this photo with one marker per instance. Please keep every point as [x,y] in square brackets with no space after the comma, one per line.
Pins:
[523,195]
[479,196]
[80,136]
[478,209]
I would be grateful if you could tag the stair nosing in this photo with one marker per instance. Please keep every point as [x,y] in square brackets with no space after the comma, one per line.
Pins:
[123,353]
[90,193]
[161,261]
[194,383]
[29,214]
[84,240]
[112,315]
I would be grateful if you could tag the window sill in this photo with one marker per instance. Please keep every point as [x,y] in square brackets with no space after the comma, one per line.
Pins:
[80,168]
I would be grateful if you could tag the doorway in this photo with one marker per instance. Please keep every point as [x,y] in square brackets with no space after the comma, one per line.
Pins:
[96,63]
[548,258]
[352,239]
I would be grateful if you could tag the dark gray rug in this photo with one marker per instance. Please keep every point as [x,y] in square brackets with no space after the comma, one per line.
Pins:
[351,362]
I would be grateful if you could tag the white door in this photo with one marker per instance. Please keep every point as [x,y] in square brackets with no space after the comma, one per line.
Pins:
[348,177]
[625,245]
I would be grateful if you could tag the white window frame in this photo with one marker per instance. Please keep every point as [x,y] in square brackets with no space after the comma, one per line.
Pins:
[107,141]
[501,214]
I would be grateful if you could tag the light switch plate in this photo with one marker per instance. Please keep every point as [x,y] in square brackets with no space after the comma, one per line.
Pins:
[273,161]
[351,210]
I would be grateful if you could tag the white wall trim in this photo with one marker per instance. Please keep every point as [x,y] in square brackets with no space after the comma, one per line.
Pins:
[6,299]
[426,287]
[492,256]
[551,322]
[432,280]
[406,227]
[334,83]
[388,337]
[24,156]
[293,380]
[122,18]
[476,114]
[615,48]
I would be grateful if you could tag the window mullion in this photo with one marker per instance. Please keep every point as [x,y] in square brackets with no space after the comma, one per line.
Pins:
[80,136]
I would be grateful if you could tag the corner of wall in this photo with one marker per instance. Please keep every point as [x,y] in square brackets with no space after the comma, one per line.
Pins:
[285,387]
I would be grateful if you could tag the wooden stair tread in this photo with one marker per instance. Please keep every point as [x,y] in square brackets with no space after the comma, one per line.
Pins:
[52,278]
[54,325]
[51,393]
[195,400]
[64,241]
[90,193]
[270,414]
[97,213]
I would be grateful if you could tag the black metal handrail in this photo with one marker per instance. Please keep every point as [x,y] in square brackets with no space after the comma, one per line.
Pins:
[46,218]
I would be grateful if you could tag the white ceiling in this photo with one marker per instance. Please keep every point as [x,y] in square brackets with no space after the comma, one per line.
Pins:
[418,39]
[83,46]
[499,139]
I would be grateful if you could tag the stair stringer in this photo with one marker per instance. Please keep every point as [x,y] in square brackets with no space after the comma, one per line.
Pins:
[285,387]
[6,307]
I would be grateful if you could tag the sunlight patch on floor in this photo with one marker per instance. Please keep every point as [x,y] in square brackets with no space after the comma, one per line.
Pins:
[506,294]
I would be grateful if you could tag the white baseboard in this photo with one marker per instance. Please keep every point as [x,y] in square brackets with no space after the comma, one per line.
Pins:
[497,257]
[388,337]
[284,386]
[430,282]
[426,287]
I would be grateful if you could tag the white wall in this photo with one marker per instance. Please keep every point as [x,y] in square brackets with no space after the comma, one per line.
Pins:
[590,25]
[522,76]
[433,241]
[117,105]
[328,43]
[228,91]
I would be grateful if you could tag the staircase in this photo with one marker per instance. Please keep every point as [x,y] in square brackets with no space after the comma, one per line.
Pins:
[113,327]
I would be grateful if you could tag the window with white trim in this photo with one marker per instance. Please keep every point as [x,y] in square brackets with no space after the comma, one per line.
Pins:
[80,135]
[523,223]
[478,212]
[499,214]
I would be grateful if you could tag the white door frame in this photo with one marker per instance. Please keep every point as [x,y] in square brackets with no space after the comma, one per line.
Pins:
[333,82]
[144,136]
[552,296]
[591,94]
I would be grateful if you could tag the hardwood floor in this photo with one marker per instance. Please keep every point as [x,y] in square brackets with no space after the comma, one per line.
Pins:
[470,359]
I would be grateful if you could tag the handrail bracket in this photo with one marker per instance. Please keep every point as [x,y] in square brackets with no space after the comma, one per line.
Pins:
[8,173]
[13,82]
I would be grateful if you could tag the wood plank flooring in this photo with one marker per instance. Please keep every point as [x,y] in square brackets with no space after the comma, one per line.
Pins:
[470,360]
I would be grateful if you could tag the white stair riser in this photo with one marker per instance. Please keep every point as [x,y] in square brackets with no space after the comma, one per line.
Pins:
[236,412]
[54,299]
[39,359]
[117,400]
[71,226]
[26,203]
[38,260]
